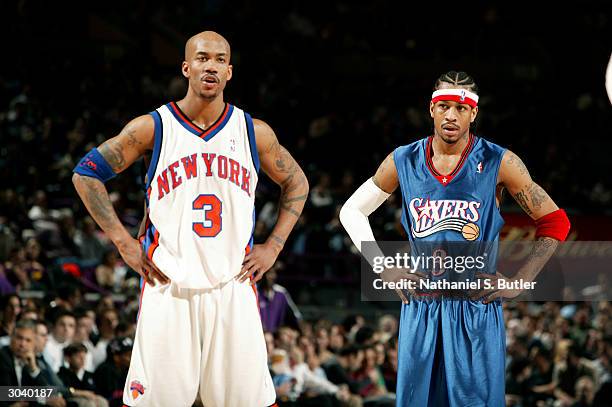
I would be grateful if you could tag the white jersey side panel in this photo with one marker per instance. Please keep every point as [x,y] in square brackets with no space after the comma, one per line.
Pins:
[201,196]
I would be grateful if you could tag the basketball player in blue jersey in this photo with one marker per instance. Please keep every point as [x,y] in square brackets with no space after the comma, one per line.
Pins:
[452,352]
[199,329]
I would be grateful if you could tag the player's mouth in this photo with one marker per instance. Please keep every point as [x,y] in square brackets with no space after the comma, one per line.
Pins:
[450,130]
[210,81]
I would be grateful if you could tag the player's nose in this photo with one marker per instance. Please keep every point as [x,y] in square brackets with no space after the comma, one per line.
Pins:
[451,114]
[210,68]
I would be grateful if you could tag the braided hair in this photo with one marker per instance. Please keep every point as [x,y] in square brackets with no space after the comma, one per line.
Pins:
[457,78]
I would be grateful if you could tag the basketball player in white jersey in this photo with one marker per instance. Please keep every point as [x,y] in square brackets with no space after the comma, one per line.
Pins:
[199,329]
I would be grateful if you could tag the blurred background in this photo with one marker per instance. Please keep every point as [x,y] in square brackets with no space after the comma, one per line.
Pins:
[342,84]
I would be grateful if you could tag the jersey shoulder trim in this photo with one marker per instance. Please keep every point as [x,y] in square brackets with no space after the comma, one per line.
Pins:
[252,140]
[157,144]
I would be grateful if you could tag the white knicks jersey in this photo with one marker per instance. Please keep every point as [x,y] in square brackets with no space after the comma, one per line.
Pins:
[201,196]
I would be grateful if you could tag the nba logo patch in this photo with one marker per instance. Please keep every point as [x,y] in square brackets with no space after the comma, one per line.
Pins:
[137,389]
[462,96]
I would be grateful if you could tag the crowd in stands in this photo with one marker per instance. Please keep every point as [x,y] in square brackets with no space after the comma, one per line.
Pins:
[558,354]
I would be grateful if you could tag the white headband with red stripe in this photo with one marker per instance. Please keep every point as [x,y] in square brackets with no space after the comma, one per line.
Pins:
[456,95]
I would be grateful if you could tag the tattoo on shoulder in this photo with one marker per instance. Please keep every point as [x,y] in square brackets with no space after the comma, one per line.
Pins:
[514,160]
[112,151]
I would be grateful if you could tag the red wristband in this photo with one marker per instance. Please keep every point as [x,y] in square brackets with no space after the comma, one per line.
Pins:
[555,225]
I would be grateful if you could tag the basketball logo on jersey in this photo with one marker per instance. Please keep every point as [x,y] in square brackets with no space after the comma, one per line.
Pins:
[137,389]
[433,216]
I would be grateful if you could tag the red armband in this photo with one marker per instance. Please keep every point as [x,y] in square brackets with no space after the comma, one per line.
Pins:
[555,225]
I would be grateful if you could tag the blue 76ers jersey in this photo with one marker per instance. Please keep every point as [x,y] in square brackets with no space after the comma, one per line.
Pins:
[451,351]
[459,206]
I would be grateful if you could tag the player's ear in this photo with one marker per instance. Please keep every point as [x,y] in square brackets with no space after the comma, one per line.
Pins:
[185,69]
[431,109]
[473,114]
[230,70]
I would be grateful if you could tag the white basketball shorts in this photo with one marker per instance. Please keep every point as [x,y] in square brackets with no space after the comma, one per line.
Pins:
[206,340]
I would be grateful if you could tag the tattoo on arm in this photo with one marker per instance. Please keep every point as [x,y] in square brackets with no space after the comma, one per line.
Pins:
[286,202]
[132,140]
[295,179]
[534,194]
[98,202]
[521,199]
[292,204]
[544,247]
[278,239]
[542,250]
[514,160]
[112,152]
[283,161]
[537,195]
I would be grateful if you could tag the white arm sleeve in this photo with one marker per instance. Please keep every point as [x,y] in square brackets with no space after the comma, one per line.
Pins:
[354,214]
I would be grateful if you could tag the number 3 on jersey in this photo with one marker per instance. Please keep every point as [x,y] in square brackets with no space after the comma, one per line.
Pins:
[211,205]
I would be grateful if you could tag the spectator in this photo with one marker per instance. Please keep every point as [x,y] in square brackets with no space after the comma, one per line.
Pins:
[370,376]
[61,336]
[387,326]
[323,346]
[286,338]
[42,336]
[389,366]
[349,360]
[6,287]
[275,304]
[314,390]
[110,376]
[34,269]
[584,392]
[18,364]
[15,269]
[82,335]
[11,308]
[110,274]
[107,324]
[69,296]
[89,244]
[336,338]
[79,380]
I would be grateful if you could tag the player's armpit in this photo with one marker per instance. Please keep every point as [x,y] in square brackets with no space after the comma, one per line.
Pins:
[131,143]
[386,175]
[514,176]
